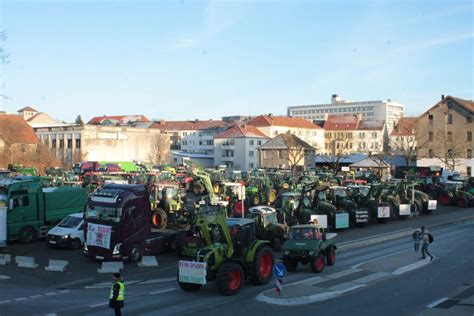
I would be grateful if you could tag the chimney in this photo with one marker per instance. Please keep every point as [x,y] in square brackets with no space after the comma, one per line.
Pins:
[335,98]
[161,122]
[270,114]
[442,97]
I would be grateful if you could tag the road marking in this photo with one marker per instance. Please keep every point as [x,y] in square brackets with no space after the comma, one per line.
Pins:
[36,296]
[5,302]
[374,259]
[157,281]
[99,285]
[343,273]
[436,303]
[371,277]
[67,284]
[50,293]
[163,291]
[4,277]
[99,304]
[375,236]
[64,291]
[20,299]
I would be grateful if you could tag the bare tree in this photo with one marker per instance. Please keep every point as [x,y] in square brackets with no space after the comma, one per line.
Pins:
[451,147]
[160,149]
[4,59]
[338,149]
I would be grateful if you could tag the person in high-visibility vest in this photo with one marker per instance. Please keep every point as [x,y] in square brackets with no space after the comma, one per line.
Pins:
[117,294]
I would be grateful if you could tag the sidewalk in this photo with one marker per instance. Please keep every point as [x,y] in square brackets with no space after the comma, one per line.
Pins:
[326,286]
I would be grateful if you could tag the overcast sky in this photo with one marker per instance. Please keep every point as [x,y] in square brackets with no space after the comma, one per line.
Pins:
[203,59]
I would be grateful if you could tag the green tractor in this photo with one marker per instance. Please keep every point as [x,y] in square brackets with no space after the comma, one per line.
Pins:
[168,206]
[456,194]
[228,252]
[268,227]
[259,191]
[342,198]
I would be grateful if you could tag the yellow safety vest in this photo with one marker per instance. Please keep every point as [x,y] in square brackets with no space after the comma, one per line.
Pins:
[121,295]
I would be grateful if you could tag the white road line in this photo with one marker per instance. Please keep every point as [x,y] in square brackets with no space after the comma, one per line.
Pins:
[50,293]
[36,296]
[5,302]
[157,281]
[343,273]
[20,299]
[441,300]
[163,291]
[99,304]
[64,291]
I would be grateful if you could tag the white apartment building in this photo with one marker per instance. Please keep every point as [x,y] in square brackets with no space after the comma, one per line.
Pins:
[237,147]
[381,110]
[272,126]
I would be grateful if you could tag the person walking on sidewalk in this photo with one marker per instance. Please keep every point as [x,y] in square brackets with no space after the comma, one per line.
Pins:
[117,294]
[426,243]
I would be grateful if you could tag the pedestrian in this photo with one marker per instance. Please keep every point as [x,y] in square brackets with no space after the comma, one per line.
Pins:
[417,237]
[117,294]
[426,241]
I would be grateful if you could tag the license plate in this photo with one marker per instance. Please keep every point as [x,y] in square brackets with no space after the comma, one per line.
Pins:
[52,242]
[99,257]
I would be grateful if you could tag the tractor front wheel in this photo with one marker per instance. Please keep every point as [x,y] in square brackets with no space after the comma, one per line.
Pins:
[331,256]
[262,265]
[230,278]
[159,219]
[318,263]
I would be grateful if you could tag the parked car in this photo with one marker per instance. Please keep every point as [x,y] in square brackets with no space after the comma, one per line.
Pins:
[69,233]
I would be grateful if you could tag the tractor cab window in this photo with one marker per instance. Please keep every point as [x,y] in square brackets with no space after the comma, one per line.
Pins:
[304,233]
[340,192]
[364,191]
[270,219]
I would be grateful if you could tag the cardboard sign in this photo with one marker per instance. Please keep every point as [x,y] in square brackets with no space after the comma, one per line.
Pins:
[345,169]
[98,235]
[192,272]
[322,220]
[405,209]
[342,220]
[432,205]
[3,226]
[383,212]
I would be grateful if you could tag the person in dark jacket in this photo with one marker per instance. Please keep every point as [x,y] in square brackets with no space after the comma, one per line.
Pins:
[426,242]
[117,294]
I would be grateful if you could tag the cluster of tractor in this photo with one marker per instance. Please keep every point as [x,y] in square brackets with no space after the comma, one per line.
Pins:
[224,227]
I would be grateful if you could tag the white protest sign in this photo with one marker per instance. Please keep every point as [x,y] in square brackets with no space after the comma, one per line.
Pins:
[192,272]
[322,220]
[98,235]
[432,205]
[405,209]
[383,212]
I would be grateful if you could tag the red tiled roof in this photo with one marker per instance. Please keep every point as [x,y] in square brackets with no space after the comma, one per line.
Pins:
[188,125]
[27,108]
[406,126]
[468,105]
[123,119]
[15,130]
[341,122]
[267,120]
[242,130]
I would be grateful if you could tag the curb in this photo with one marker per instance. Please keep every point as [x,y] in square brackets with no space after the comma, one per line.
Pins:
[305,299]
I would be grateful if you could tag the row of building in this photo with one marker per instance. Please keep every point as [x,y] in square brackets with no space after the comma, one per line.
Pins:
[442,136]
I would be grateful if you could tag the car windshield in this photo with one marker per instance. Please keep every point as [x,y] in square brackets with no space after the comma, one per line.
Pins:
[111,214]
[303,233]
[70,222]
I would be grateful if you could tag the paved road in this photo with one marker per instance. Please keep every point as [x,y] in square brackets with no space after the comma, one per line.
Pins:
[409,294]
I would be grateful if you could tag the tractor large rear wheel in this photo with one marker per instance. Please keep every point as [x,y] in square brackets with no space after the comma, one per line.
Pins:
[159,219]
[271,195]
[444,198]
[230,278]
[262,265]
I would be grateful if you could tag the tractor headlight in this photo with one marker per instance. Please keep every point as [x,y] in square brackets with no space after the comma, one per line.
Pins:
[67,236]
[311,253]
[117,249]
[287,252]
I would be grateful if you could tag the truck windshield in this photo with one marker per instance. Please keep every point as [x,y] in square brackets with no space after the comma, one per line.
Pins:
[104,213]
[70,222]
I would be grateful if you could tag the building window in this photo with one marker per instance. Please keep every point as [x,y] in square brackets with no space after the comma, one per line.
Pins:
[69,143]
[275,133]
[430,119]
[361,135]
[259,142]
[251,153]
[251,165]
[251,142]
[430,136]
[184,142]
[53,143]
[469,154]
[46,142]
[450,119]
[468,119]
[78,143]
[430,153]
[469,136]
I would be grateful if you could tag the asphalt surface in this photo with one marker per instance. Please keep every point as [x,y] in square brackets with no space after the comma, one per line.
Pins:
[153,291]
